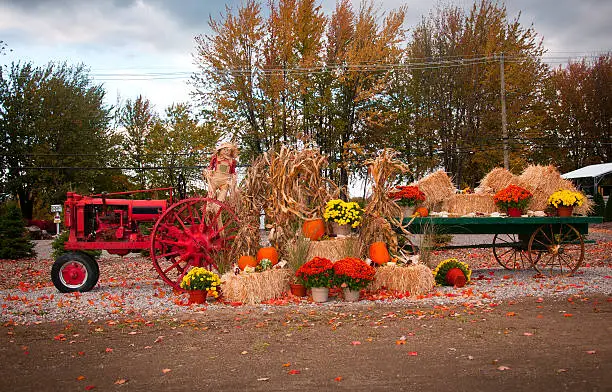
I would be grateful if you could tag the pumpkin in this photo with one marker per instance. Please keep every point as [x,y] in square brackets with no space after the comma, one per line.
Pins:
[247,261]
[422,212]
[379,253]
[268,253]
[313,229]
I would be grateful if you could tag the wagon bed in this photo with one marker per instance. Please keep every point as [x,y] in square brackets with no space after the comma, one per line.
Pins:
[552,243]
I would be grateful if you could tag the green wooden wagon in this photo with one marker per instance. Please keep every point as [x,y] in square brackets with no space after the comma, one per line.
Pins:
[553,244]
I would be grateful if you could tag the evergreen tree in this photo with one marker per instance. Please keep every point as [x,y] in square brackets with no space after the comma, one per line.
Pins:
[600,205]
[608,212]
[14,241]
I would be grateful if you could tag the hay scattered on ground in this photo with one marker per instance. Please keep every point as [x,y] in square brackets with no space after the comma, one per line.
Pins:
[465,203]
[542,181]
[255,287]
[496,180]
[416,279]
[437,187]
[334,249]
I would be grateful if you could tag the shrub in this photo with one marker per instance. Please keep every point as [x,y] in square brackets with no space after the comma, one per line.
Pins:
[14,240]
[608,212]
[58,247]
[599,209]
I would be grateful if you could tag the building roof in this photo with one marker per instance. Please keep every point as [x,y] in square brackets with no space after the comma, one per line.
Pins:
[590,171]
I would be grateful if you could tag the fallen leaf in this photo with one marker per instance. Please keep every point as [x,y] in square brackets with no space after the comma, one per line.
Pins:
[561,370]
[338,379]
[510,314]
[502,368]
[294,371]
[591,352]
[109,350]
[413,353]
[355,342]
[121,381]
[159,339]
[81,378]
[244,352]
[567,315]
[398,342]
[527,334]
[166,370]
[89,387]
[287,364]
[263,379]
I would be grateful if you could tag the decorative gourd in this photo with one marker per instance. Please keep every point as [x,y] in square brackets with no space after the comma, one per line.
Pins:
[422,212]
[247,261]
[379,253]
[313,229]
[268,253]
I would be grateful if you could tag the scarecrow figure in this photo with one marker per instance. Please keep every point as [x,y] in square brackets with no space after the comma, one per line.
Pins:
[221,172]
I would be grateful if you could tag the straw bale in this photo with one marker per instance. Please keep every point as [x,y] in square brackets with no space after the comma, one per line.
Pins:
[415,279]
[437,187]
[255,287]
[465,203]
[497,179]
[335,248]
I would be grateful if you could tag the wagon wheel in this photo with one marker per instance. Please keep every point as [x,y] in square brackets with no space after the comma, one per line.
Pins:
[509,251]
[192,233]
[561,248]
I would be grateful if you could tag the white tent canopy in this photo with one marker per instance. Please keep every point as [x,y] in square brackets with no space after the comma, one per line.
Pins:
[596,172]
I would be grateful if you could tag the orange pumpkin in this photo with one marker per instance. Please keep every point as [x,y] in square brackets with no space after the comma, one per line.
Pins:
[269,253]
[247,261]
[379,253]
[422,212]
[313,229]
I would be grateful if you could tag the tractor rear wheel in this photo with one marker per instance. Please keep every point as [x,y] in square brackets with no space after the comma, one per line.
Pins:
[75,271]
[195,232]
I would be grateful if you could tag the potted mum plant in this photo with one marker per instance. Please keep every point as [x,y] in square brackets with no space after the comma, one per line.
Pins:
[513,200]
[352,275]
[564,200]
[452,272]
[343,215]
[318,275]
[407,196]
[200,282]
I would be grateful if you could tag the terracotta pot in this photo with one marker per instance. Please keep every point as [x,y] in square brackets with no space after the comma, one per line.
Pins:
[565,211]
[514,212]
[351,295]
[455,277]
[298,289]
[197,296]
[320,294]
[341,230]
[313,229]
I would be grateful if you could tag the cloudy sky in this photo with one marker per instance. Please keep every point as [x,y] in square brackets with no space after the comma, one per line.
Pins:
[144,46]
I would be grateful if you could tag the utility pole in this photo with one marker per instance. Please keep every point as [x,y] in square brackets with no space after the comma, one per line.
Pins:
[503,113]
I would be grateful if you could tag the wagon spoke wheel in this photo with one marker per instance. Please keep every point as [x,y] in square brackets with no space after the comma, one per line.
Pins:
[194,232]
[510,252]
[561,248]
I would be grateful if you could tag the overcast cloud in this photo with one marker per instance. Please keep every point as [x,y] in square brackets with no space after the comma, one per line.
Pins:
[145,35]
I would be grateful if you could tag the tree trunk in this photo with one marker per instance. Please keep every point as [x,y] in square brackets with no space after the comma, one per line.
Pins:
[26,203]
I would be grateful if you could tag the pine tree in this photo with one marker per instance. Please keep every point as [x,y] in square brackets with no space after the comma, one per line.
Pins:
[608,212]
[14,241]
[600,205]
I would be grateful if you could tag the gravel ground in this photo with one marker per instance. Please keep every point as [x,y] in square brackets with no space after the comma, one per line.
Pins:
[129,288]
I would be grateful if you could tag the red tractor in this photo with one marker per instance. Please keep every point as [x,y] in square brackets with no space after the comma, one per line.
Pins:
[189,233]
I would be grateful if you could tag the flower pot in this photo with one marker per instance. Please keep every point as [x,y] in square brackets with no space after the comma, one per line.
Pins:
[514,212]
[564,211]
[197,296]
[350,295]
[341,230]
[298,289]
[408,210]
[320,294]
[313,229]
[455,277]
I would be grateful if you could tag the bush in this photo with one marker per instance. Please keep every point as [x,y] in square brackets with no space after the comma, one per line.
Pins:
[599,207]
[14,240]
[58,247]
[608,212]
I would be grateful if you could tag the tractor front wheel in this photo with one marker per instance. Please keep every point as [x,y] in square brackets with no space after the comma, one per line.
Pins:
[75,272]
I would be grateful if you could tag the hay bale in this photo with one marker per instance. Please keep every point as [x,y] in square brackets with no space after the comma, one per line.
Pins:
[437,187]
[255,287]
[542,181]
[415,279]
[497,179]
[335,248]
[465,203]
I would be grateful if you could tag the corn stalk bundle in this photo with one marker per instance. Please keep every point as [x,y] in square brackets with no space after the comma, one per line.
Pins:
[416,279]
[255,287]
[297,189]
[381,211]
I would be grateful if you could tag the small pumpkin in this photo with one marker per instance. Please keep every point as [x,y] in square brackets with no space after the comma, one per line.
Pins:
[379,253]
[247,261]
[268,253]
[313,229]
[422,212]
